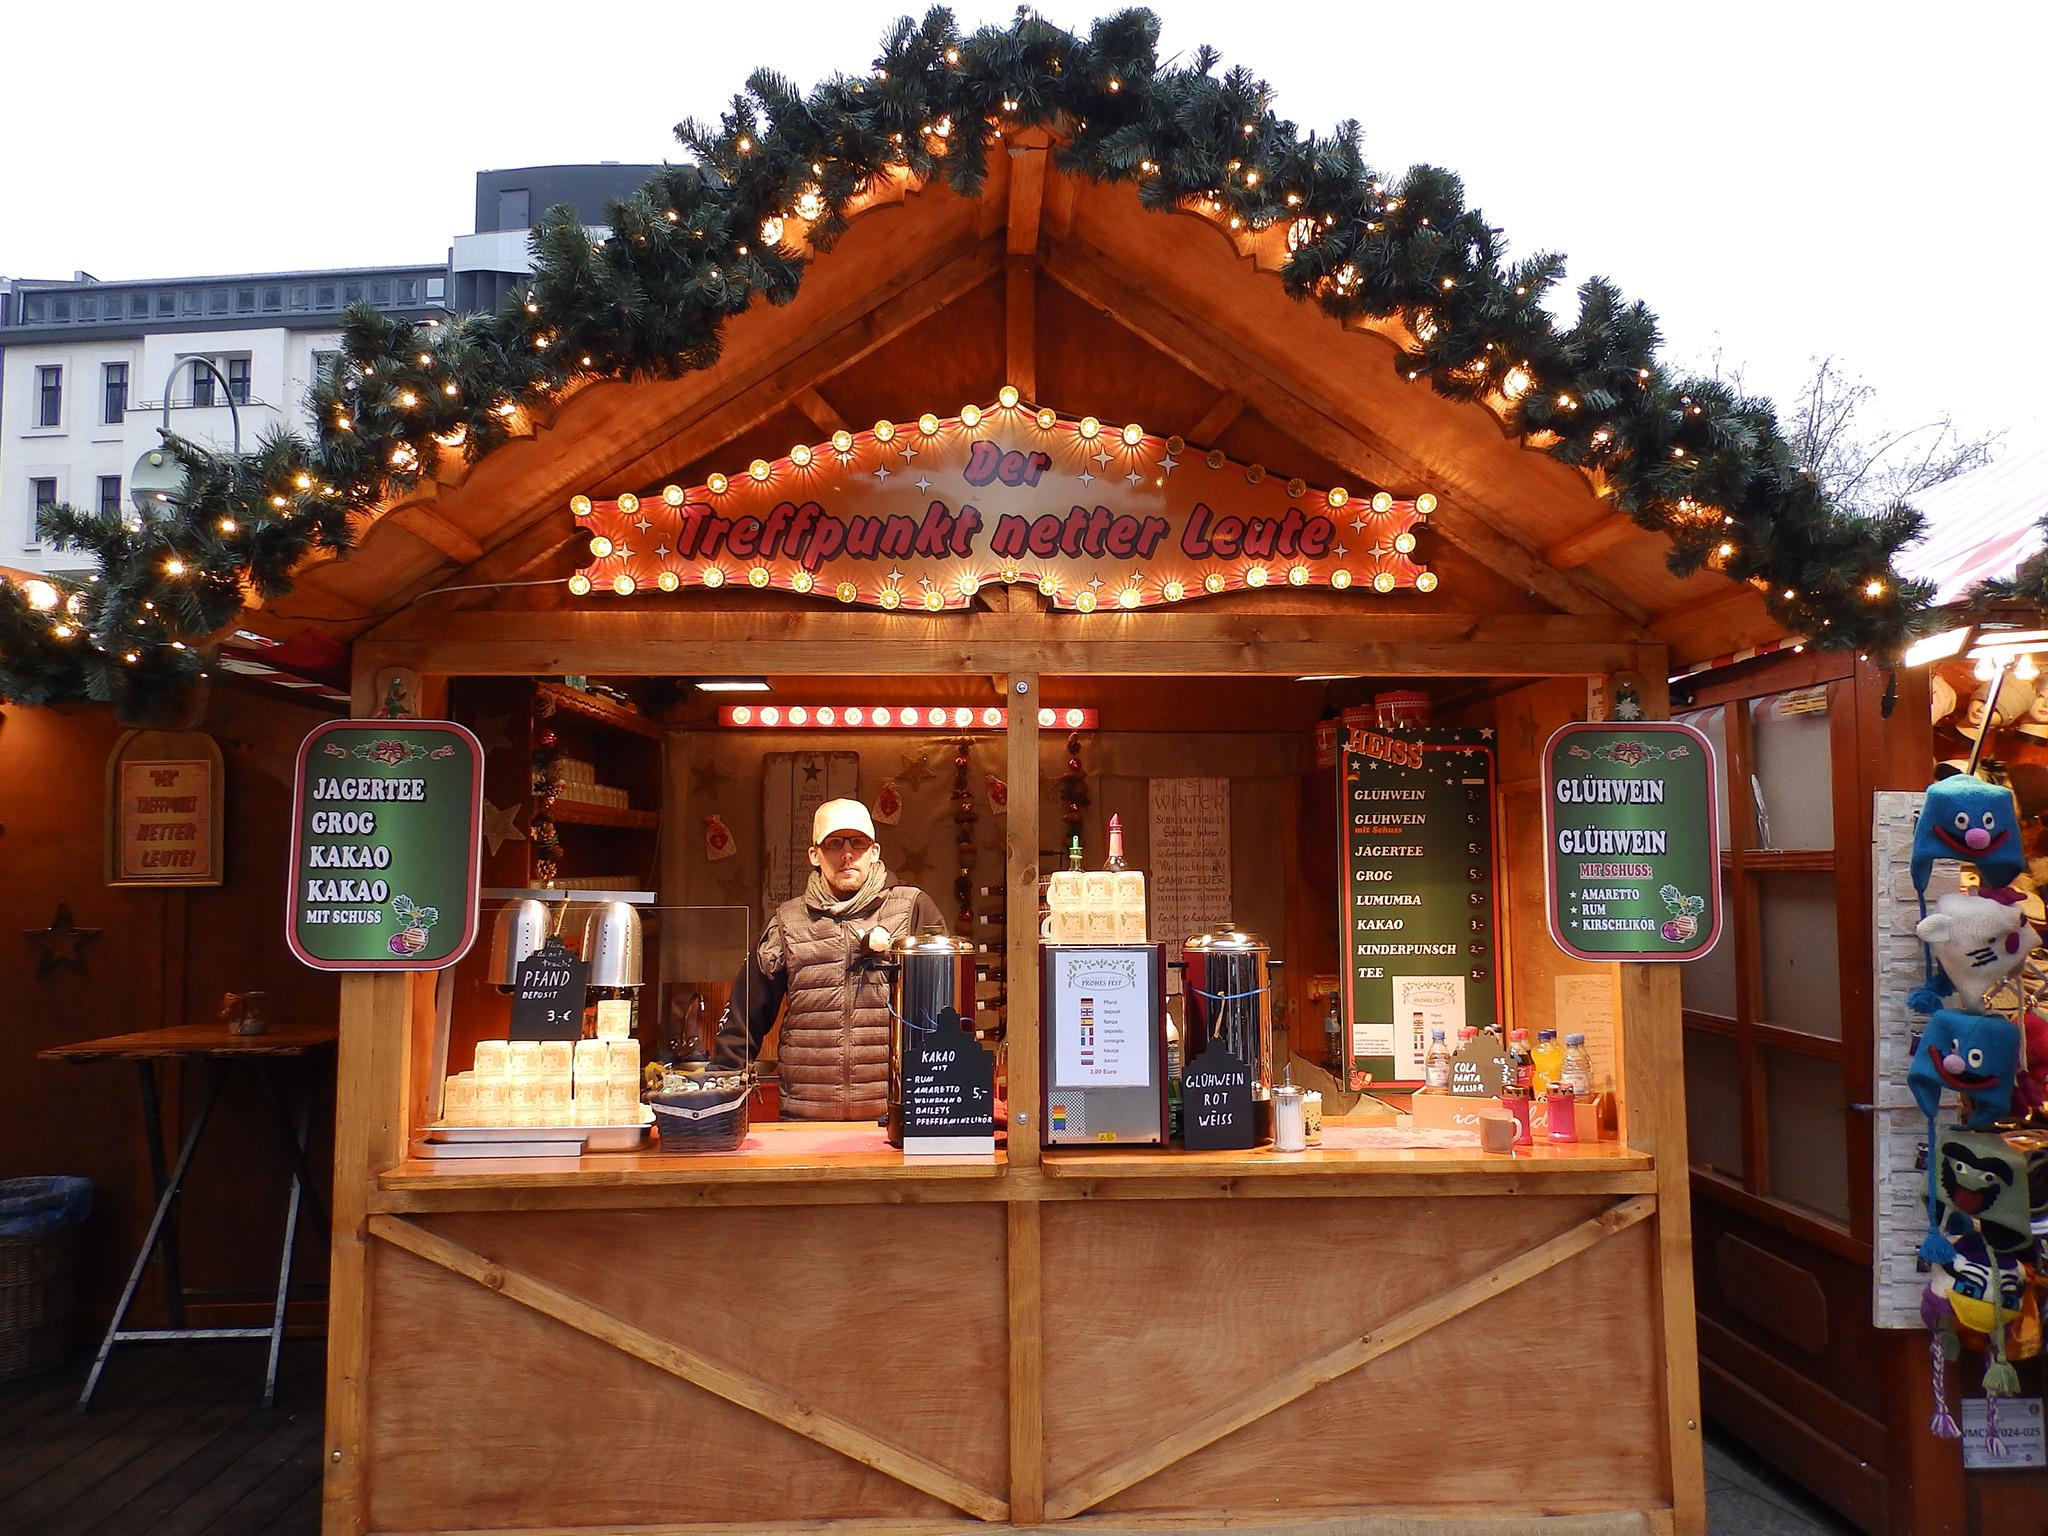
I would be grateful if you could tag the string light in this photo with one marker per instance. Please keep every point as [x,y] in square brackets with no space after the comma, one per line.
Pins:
[1089,428]
[623,584]
[628,503]
[800,456]
[928,424]
[1133,435]
[884,431]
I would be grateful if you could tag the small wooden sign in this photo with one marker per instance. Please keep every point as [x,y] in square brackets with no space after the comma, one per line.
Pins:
[164,809]
[1478,1070]
[949,1090]
[1216,1102]
[547,994]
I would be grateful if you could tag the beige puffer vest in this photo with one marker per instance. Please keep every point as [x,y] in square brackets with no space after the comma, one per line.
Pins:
[834,1054]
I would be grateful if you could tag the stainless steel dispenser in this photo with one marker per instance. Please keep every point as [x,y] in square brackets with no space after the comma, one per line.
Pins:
[521,927]
[611,944]
[1230,998]
[934,972]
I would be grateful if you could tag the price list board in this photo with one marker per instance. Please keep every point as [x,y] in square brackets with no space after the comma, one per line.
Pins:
[1420,899]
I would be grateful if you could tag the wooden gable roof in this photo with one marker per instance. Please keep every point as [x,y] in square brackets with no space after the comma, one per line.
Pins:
[1089,303]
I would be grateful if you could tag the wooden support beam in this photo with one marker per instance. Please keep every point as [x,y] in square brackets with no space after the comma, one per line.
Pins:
[605,639]
[1216,420]
[1404,1327]
[817,410]
[1027,197]
[435,531]
[1593,541]
[1020,325]
[736,1387]
[1464,516]
[748,398]
[1026,1258]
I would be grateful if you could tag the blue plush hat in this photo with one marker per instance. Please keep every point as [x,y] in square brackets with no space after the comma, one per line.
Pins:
[1977,1056]
[1965,819]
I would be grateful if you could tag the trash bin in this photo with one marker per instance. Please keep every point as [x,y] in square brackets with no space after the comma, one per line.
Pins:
[39,1222]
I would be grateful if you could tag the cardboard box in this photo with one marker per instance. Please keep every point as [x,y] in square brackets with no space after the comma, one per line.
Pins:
[1454,1112]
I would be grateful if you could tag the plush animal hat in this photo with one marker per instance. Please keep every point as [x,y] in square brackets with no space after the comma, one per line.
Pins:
[1976,1055]
[1981,1192]
[1973,822]
[1977,943]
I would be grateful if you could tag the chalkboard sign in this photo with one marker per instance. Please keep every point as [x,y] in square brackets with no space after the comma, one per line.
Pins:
[949,1089]
[547,994]
[1479,1069]
[1418,894]
[1216,1102]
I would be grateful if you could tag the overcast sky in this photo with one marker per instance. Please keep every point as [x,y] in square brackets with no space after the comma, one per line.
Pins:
[1778,181]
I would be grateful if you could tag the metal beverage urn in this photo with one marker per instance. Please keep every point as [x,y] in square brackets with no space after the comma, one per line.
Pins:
[521,927]
[611,946]
[933,972]
[1230,998]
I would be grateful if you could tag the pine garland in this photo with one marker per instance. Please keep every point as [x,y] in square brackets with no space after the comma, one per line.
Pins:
[1688,458]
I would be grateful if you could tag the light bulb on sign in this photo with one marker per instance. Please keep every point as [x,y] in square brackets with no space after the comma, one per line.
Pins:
[970,415]
[668,581]
[1133,435]
[759,469]
[758,577]
[580,505]
[884,431]
[672,495]
[716,484]
[800,456]
[1172,591]
[713,576]
[798,715]
[927,424]
[1044,718]
[579,585]
[1426,582]
[1007,397]
[1047,418]
[623,584]
[1085,602]
[802,581]
[842,441]
[600,547]
[1384,582]
[1382,501]
[628,503]
[1340,579]
[1213,582]
[1089,428]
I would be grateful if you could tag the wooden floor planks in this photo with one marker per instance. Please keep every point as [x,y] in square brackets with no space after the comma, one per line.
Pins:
[178,1443]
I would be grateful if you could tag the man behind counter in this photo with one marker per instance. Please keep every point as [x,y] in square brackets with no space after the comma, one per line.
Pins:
[820,955]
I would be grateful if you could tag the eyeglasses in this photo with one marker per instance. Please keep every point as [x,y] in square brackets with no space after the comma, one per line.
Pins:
[854,844]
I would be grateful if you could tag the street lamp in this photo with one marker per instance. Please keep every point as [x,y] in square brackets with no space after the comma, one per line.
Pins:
[156,473]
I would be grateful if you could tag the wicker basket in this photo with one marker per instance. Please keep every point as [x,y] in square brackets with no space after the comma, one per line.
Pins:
[706,1114]
[38,1296]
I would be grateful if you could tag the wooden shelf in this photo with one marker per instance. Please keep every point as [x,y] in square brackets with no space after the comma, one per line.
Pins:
[1539,1162]
[595,707]
[581,813]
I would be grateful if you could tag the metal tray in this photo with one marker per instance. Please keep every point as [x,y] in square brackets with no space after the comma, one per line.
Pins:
[595,1138]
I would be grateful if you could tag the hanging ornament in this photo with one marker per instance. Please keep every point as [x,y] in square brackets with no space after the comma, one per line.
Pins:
[889,803]
[1072,789]
[964,818]
[546,789]
[718,839]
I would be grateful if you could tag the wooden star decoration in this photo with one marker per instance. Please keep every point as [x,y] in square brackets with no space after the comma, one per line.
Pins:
[493,732]
[706,778]
[910,863]
[62,943]
[915,770]
[501,825]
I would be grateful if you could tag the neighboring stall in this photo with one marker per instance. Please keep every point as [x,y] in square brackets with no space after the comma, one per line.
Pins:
[817,1329]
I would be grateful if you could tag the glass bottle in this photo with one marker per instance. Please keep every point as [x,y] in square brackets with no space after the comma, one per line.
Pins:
[1074,854]
[1333,1039]
[1436,1071]
[1116,845]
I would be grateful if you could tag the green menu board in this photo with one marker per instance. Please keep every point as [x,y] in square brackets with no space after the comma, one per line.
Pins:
[1418,895]
[1632,864]
[385,817]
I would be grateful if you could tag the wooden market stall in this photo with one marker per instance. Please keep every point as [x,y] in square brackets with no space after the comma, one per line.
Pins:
[815,1336]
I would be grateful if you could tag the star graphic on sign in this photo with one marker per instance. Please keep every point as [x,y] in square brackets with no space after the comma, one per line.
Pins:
[1486,733]
[1102,457]
[907,451]
[812,768]
[1358,524]
[895,576]
[925,582]
[706,778]
[923,484]
[623,553]
[1134,477]
[492,733]
[661,550]
[1086,478]
[501,826]
[1169,463]
[881,471]
[62,943]
[1095,583]
[642,524]
[1342,552]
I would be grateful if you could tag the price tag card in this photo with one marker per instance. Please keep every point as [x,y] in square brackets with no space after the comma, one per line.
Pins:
[547,994]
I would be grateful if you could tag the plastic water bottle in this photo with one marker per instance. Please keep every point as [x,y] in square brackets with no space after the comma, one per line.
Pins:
[1436,1067]
[1577,1072]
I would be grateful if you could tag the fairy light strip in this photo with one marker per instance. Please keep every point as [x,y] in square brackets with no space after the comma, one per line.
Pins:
[629,552]
[893,717]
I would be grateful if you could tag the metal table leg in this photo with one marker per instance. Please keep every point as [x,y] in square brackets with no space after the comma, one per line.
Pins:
[149,1242]
[167,1240]
[302,1191]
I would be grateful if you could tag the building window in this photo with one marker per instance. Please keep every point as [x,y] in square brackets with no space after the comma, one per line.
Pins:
[166,305]
[217,301]
[245,301]
[138,306]
[50,397]
[43,493]
[110,495]
[301,296]
[326,299]
[408,290]
[515,208]
[437,287]
[238,379]
[273,299]
[322,361]
[88,308]
[60,306]
[33,309]
[351,293]
[202,386]
[188,302]
[114,391]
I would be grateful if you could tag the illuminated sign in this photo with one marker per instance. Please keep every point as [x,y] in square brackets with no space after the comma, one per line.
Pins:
[889,717]
[921,515]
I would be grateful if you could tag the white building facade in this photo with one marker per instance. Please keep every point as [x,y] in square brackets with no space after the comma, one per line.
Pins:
[84,367]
